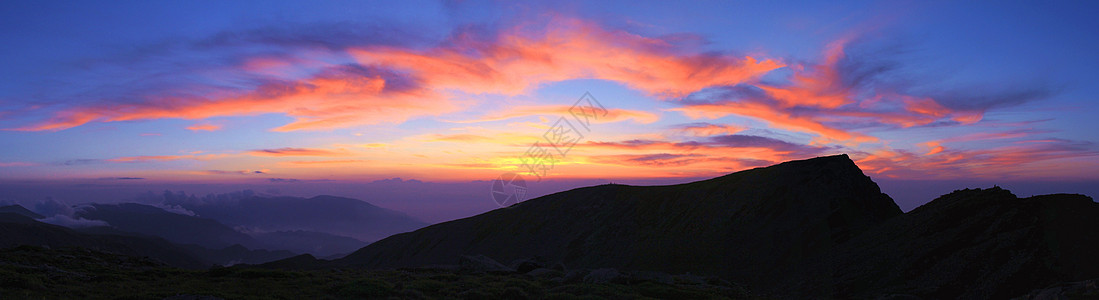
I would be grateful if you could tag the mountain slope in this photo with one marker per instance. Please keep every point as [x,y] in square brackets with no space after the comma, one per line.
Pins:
[16,230]
[20,210]
[177,228]
[328,214]
[969,244]
[748,226]
[316,243]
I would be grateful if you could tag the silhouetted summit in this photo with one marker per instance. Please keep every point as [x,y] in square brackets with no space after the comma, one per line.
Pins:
[749,226]
[970,244]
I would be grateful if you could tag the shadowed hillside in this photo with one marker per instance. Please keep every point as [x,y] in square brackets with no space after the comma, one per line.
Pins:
[325,214]
[17,230]
[177,228]
[748,226]
[810,228]
[816,228]
[973,244]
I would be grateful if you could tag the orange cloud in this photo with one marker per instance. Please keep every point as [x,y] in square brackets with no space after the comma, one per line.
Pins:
[776,117]
[332,100]
[525,57]
[1019,159]
[935,147]
[817,100]
[516,61]
[817,86]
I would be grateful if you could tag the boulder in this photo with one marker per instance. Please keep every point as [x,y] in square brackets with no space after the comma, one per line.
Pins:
[527,265]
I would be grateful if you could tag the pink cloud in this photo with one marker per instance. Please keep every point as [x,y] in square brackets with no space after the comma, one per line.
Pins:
[612,115]
[154,158]
[298,152]
[526,56]
[331,100]
[204,127]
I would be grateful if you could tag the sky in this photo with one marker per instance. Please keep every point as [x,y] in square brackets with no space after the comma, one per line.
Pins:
[100,99]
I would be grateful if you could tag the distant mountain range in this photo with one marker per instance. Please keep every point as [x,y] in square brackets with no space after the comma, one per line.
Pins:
[16,230]
[810,228]
[20,210]
[272,229]
[328,214]
[174,227]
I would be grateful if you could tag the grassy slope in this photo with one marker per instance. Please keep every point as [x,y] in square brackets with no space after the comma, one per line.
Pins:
[32,272]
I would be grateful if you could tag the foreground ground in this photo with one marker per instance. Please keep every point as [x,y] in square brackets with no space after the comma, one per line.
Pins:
[36,273]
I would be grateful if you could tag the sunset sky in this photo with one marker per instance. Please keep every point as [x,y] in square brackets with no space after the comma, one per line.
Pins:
[225,92]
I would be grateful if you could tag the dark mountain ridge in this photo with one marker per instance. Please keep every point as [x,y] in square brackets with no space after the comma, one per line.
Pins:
[807,229]
[326,214]
[972,244]
[748,226]
[177,228]
[20,210]
[17,229]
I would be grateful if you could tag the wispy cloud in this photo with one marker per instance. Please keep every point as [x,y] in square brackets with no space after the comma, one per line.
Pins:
[1018,159]
[707,129]
[204,127]
[154,158]
[299,152]
[391,82]
[842,92]
[525,56]
[228,172]
[612,115]
[121,178]
[341,96]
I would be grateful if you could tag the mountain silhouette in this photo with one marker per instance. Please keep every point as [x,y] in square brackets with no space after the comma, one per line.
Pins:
[177,228]
[750,226]
[327,214]
[971,244]
[20,210]
[315,243]
[815,228]
[17,230]
[806,229]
